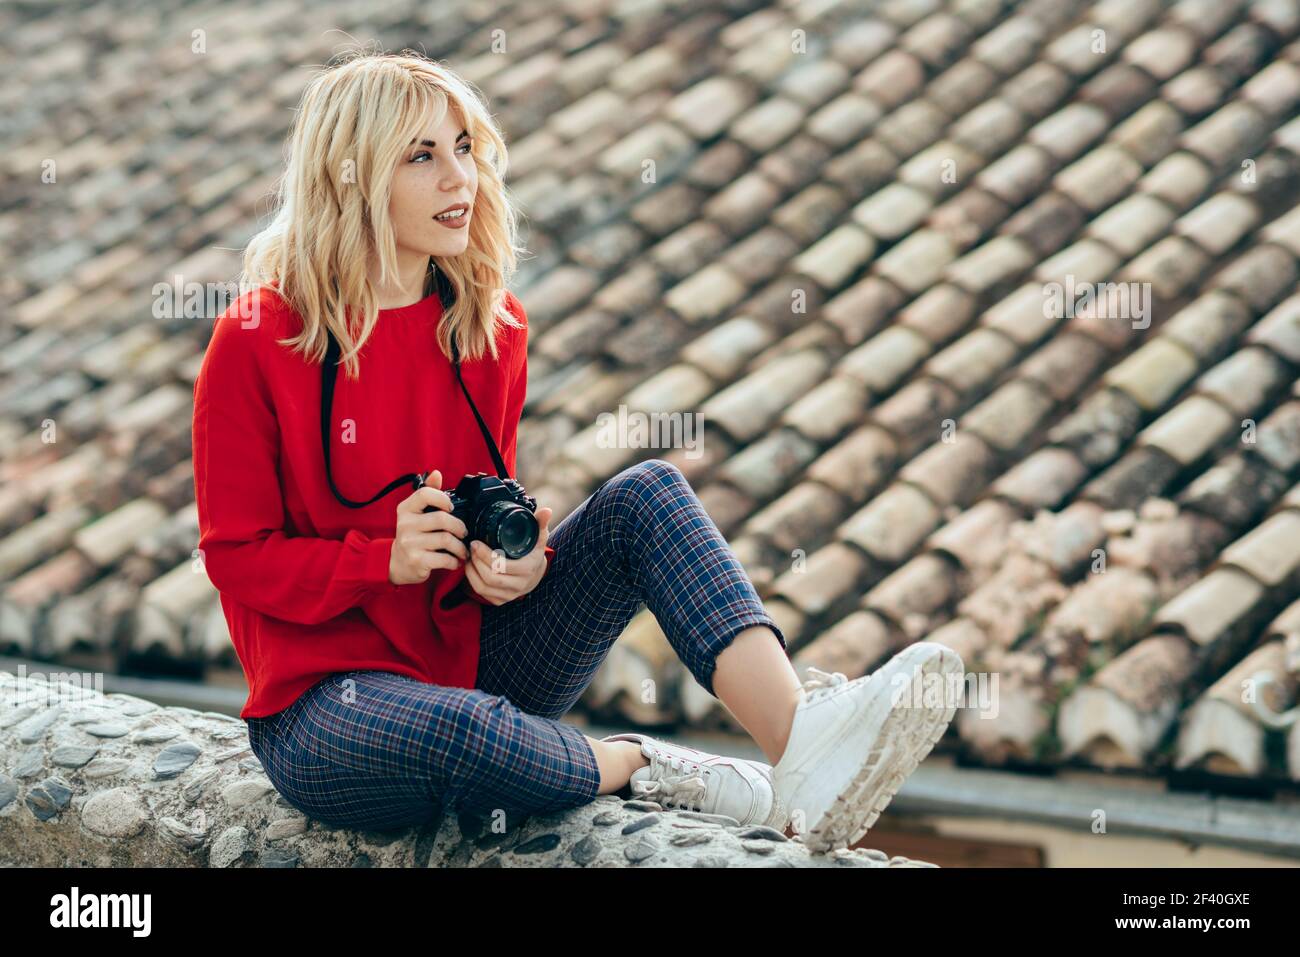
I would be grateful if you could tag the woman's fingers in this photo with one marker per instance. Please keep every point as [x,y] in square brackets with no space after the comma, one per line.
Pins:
[439,541]
[496,562]
[490,592]
[437,520]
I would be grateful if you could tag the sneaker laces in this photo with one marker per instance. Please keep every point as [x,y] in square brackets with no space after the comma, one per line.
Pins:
[684,788]
[820,682]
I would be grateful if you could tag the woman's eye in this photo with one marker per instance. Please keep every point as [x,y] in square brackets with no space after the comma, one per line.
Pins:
[467,147]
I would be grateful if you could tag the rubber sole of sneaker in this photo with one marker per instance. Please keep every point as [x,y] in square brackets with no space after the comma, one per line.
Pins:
[906,736]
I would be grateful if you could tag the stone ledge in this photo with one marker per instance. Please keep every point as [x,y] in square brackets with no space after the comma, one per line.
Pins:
[93,780]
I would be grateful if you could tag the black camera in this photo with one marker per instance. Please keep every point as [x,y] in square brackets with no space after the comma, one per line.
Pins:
[497,512]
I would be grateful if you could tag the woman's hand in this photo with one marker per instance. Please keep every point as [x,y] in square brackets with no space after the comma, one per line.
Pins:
[499,579]
[426,540]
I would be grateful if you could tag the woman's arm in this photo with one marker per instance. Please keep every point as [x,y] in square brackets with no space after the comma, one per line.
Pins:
[242,542]
[515,395]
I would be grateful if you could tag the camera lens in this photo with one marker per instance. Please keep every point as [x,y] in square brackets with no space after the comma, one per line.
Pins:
[511,528]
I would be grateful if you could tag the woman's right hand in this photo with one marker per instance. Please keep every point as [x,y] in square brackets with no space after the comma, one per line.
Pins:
[426,540]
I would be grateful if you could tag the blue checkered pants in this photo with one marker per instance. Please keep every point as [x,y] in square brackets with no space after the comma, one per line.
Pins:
[377,750]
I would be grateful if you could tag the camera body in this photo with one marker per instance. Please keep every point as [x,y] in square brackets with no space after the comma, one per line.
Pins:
[497,512]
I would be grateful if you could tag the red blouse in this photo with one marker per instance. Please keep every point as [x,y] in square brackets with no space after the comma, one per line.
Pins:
[303,578]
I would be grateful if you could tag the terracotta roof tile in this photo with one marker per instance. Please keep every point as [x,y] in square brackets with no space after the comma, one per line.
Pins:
[961,86]
[858,465]
[1037,90]
[834,259]
[677,388]
[1219,223]
[1155,373]
[1010,46]
[1132,224]
[1271,552]
[851,646]
[1140,474]
[968,216]
[1163,51]
[1196,92]
[764,468]
[892,79]
[1120,717]
[1099,178]
[1190,429]
[1261,276]
[1285,231]
[1221,732]
[938,169]
[862,168]
[828,410]
[1119,89]
[1046,223]
[1279,331]
[1010,415]
[812,84]
[1043,479]
[972,362]
[862,41]
[1149,134]
[1205,18]
[910,128]
[725,349]
[937,40]
[952,472]
[1244,381]
[939,313]
[1100,427]
[886,359]
[831,576]
[1171,265]
[802,517]
[1065,365]
[1179,180]
[989,270]
[893,211]
[989,128]
[705,295]
[1213,606]
[911,597]
[914,413]
[893,523]
[976,538]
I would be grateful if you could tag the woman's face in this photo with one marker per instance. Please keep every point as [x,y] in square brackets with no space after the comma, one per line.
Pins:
[434,172]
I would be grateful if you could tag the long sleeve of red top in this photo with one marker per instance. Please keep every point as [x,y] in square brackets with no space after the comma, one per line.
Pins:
[303,579]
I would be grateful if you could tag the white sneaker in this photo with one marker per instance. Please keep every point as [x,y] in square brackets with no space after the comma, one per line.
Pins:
[684,778]
[853,743]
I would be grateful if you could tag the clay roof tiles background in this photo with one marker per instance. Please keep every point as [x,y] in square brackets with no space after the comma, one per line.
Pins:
[841,261]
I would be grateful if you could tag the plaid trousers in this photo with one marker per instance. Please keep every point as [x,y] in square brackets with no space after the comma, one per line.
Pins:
[377,750]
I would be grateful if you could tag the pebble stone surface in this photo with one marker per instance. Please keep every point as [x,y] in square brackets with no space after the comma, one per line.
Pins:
[92,780]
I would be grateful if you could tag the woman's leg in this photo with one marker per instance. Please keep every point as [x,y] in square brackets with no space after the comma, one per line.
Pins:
[372,749]
[642,536]
[757,683]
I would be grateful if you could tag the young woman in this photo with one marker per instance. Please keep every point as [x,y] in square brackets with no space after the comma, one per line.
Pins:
[395,665]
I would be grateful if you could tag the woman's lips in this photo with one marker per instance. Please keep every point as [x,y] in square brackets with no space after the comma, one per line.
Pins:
[458,223]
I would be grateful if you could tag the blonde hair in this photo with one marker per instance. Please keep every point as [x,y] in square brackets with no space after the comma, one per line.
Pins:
[353,122]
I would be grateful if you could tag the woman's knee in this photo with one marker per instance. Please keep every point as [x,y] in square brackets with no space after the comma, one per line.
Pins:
[645,479]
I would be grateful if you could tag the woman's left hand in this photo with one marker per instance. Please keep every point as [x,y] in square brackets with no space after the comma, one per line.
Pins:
[498,579]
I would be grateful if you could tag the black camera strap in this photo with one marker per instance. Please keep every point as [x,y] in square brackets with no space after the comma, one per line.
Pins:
[329,375]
